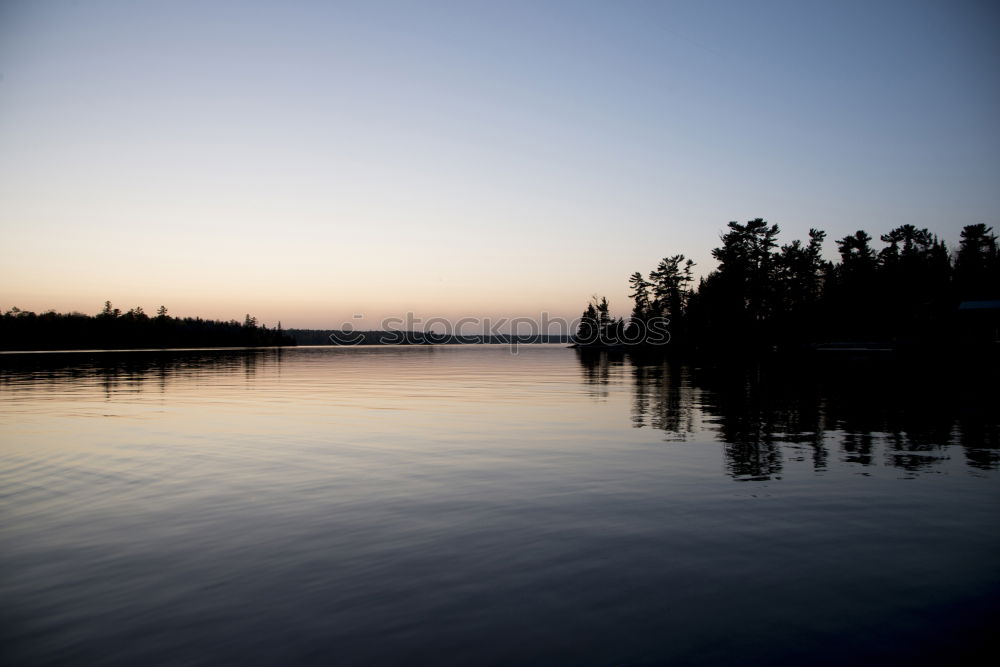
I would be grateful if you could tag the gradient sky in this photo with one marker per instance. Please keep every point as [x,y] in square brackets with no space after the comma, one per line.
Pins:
[307,161]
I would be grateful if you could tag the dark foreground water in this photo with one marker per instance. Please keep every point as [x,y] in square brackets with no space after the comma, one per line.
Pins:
[466,506]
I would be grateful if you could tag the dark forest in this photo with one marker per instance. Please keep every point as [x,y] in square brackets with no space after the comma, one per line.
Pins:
[911,292]
[134,329]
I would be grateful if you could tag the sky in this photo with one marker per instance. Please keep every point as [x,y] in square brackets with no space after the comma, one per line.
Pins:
[312,161]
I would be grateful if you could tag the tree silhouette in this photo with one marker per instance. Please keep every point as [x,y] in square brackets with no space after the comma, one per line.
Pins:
[977,265]
[110,329]
[762,297]
[642,309]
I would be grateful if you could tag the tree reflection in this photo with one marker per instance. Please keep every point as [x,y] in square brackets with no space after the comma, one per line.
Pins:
[132,371]
[661,399]
[857,411]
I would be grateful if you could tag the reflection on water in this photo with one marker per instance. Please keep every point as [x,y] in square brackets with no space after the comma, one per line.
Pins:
[870,412]
[45,375]
[465,505]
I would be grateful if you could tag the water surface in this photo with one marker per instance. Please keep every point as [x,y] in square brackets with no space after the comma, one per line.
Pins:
[466,505]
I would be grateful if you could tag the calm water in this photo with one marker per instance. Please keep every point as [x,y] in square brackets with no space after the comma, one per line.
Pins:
[462,505]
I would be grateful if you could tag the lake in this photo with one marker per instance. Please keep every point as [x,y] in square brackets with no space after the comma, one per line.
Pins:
[466,505]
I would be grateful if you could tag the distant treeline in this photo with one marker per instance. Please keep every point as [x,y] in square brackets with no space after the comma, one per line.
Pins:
[112,329]
[340,337]
[762,296]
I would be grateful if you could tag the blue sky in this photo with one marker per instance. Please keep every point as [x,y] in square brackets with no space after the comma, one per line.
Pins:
[309,161]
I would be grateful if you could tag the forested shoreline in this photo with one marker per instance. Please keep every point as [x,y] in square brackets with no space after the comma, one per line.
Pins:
[134,329]
[910,293]
[761,296]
